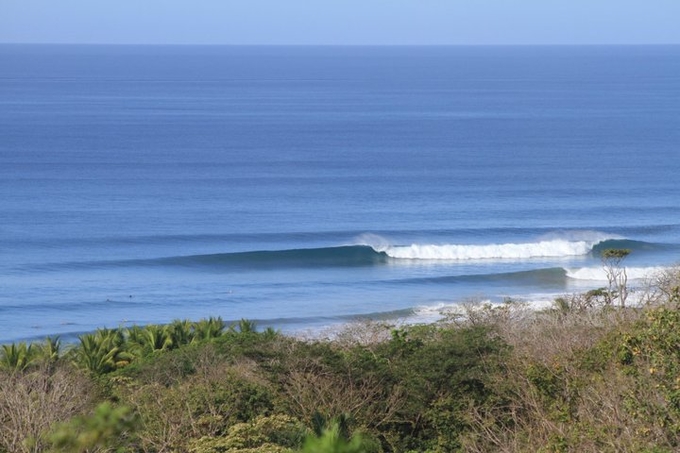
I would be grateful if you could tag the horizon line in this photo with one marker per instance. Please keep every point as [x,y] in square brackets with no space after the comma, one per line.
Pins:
[341,45]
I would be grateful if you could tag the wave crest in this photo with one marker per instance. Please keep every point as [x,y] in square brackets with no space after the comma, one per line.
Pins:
[453,252]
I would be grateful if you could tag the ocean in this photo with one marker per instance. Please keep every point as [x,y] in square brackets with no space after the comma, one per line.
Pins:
[307,187]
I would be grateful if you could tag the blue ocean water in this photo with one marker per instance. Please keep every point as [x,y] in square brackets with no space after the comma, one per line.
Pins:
[303,187]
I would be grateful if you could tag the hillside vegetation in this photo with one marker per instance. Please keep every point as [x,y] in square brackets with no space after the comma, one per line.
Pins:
[584,376]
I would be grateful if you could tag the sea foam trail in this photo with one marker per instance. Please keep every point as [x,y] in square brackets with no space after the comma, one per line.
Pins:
[543,249]
[599,273]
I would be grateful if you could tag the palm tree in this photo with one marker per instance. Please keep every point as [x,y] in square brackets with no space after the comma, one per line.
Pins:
[246,326]
[270,333]
[181,332]
[207,329]
[102,351]
[145,340]
[49,350]
[17,356]
[134,336]
[154,338]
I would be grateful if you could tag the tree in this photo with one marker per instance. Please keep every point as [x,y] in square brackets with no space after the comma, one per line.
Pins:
[16,356]
[49,350]
[33,400]
[102,351]
[246,326]
[617,278]
[149,339]
[208,329]
[181,332]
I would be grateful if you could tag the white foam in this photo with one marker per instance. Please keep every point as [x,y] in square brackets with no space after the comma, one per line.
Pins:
[599,273]
[376,242]
[453,252]
[426,314]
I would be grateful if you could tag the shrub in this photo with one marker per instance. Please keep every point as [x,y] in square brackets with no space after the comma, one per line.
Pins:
[33,400]
[275,433]
[106,428]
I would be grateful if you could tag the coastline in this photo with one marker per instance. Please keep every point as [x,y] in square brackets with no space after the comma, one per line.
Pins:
[367,378]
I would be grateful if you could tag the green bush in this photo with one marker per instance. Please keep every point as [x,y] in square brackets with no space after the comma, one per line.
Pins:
[109,428]
[275,433]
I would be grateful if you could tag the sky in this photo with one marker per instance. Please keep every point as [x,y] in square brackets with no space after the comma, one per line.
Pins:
[340,22]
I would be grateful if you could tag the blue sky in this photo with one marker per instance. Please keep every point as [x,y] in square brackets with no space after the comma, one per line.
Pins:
[339,22]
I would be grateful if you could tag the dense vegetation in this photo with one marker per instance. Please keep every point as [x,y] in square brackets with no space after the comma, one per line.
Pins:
[585,375]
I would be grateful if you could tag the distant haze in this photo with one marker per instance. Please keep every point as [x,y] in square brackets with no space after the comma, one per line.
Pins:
[340,22]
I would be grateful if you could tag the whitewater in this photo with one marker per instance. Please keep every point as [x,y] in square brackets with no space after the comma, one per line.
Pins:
[307,187]
[490,251]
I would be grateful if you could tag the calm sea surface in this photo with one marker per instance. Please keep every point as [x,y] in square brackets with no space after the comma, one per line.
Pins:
[303,187]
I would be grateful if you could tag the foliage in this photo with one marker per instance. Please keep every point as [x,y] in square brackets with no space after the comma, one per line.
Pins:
[651,353]
[332,440]
[275,433]
[443,371]
[150,339]
[102,351]
[108,428]
[208,329]
[193,394]
[22,356]
[108,350]
[16,356]
[608,383]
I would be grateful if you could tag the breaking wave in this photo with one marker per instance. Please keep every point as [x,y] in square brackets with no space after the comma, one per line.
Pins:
[368,250]
[546,248]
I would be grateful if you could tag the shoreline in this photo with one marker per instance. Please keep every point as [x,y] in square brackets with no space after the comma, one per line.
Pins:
[573,369]
[422,315]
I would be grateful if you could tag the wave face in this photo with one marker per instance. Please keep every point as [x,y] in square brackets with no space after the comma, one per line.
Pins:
[344,256]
